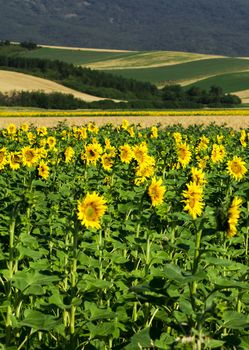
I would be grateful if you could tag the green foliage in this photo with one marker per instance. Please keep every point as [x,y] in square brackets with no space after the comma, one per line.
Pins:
[186,71]
[150,277]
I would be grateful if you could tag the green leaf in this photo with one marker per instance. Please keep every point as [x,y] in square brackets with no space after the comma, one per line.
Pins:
[105,329]
[97,313]
[29,282]
[38,320]
[91,284]
[140,340]
[164,341]
[173,272]
[213,343]
[235,320]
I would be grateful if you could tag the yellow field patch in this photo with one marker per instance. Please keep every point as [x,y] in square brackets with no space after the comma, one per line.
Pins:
[244,95]
[150,59]
[13,81]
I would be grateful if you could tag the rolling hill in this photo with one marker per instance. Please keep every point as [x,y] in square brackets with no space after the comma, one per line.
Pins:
[157,67]
[214,26]
[14,81]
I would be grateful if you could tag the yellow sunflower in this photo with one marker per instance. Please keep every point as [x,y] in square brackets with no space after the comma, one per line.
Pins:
[243,136]
[125,124]
[154,132]
[42,130]
[184,154]
[126,153]
[236,168]
[29,156]
[15,160]
[107,161]
[25,127]
[131,131]
[11,129]
[233,216]
[31,137]
[80,133]
[156,192]
[218,153]
[92,127]
[91,209]
[193,199]
[110,150]
[92,153]
[3,157]
[41,153]
[198,176]
[177,136]
[69,154]
[51,141]
[203,144]
[43,170]
[145,170]
[42,142]
[140,152]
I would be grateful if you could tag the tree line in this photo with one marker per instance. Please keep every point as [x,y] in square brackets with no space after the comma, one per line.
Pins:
[57,100]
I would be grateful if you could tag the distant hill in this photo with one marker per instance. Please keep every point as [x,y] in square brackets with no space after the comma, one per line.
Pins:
[214,26]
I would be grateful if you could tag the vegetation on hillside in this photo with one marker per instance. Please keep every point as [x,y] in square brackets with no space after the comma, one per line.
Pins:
[138,94]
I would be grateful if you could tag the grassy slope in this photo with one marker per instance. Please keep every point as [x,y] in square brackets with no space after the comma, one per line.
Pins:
[75,56]
[230,82]
[186,71]
[149,59]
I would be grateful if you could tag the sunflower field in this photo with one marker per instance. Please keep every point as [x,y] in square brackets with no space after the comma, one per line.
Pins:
[124,237]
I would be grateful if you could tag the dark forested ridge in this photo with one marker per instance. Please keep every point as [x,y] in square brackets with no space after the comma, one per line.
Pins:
[214,26]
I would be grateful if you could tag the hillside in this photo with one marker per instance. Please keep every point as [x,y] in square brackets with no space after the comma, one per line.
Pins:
[14,81]
[180,25]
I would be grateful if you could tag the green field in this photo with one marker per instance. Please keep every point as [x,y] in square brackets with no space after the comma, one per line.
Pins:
[77,57]
[186,71]
[114,60]
[229,82]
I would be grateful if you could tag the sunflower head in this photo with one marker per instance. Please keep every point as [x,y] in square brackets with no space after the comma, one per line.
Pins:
[51,141]
[91,209]
[236,168]
[29,156]
[126,153]
[92,153]
[15,160]
[69,154]
[11,129]
[156,192]
[107,161]
[193,199]
[184,154]
[43,170]
[233,216]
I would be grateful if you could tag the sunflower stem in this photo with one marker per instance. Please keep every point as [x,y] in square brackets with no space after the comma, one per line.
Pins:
[196,260]
[11,272]
[100,255]
[73,280]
